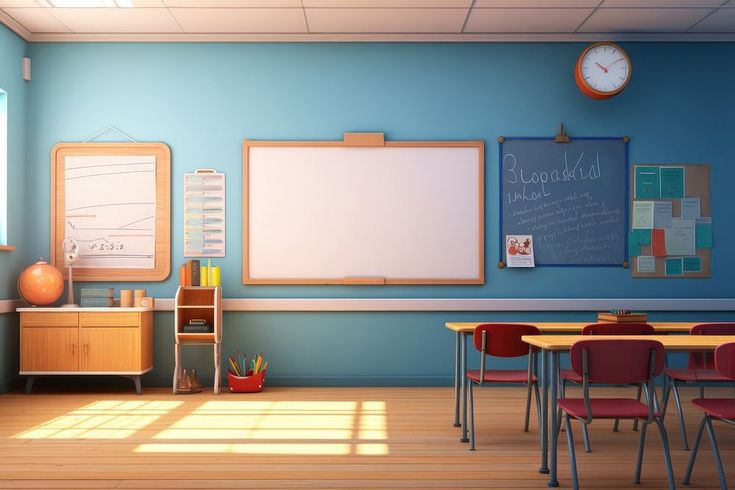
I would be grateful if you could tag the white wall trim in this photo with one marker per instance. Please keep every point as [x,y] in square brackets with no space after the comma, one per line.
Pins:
[366,37]
[451,304]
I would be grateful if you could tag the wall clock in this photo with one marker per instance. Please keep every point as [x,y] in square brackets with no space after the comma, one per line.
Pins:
[603,70]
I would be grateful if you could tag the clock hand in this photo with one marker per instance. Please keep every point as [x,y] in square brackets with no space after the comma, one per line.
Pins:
[602,67]
[611,64]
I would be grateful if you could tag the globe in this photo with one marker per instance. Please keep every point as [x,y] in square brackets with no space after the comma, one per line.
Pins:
[41,284]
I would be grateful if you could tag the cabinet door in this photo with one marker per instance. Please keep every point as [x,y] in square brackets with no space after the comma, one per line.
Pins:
[50,349]
[110,349]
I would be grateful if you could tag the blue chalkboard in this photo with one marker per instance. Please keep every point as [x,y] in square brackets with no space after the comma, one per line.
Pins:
[572,197]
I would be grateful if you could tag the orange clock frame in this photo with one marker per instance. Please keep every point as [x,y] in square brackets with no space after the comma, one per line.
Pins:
[589,91]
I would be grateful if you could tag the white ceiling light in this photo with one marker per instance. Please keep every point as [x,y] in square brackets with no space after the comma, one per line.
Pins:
[90,3]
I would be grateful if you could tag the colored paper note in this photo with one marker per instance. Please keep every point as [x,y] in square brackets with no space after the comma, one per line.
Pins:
[643,214]
[634,246]
[680,238]
[658,242]
[672,182]
[646,263]
[674,267]
[644,236]
[703,232]
[692,264]
[690,208]
[662,212]
[647,183]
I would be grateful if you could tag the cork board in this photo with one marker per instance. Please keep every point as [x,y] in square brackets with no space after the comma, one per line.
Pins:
[696,184]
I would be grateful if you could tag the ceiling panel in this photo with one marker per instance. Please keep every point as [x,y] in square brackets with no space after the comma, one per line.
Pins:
[643,20]
[117,20]
[388,3]
[525,20]
[18,3]
[385,20]
[36,20]
[723,20]
[662,3]
[536,3]
[234,3]
[248,20]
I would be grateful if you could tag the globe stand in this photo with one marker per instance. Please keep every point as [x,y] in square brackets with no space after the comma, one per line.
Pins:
[70,293]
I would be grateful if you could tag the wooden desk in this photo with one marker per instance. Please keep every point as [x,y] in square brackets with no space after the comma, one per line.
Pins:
[551,348]
[467,328]
[110,341]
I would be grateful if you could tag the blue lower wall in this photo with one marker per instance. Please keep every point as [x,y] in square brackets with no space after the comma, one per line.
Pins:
[204,99]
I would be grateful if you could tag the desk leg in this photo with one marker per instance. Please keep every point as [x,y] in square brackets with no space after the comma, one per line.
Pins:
[554,380]
[457,374]
[544,432]
[464,391]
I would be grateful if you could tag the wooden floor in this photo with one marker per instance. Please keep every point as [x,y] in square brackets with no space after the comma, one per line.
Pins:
[311,438]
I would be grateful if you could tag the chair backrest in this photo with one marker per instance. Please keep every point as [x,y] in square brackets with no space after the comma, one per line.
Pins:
[503,339]
[624,361]
[618,329]
[706,360]
[725,359]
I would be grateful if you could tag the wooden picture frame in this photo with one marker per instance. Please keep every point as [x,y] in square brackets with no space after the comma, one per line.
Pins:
[162,240]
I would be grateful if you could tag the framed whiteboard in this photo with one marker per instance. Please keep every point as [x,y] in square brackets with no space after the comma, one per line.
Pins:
[363,211]
[113,199]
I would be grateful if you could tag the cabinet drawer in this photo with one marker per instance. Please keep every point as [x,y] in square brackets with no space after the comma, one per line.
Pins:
[49,319]
[108,319]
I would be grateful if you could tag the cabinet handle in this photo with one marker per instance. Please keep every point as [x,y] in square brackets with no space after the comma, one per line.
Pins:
[86,349]
[73,348]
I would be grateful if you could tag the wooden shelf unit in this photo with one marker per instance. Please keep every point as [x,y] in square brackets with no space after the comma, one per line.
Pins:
[104,341]
[198,302]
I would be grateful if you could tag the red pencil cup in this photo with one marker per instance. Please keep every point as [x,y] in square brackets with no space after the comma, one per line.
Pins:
[246,384]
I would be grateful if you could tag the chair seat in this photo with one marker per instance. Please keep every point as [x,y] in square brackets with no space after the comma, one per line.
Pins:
[605,408]
[722,408]
[570,375]
[694,375]
[500,376]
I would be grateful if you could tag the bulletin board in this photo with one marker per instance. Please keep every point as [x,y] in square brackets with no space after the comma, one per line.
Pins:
[114,200]
[683,187]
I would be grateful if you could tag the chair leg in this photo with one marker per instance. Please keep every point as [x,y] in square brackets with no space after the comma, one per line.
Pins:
[716,451]
[471,396]
[667,452]
[616,425]
[586,438]
[528,407]
[695,450]
[701,391]
[665,397]
[538,403]
[639,460]
[572,456]
[638,397]
[682,427]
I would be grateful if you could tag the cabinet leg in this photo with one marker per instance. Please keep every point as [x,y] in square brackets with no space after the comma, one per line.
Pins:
[29,384]
[136,382]
[177,366]
[217,375]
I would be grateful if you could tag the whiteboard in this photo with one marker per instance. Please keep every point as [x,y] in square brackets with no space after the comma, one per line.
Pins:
[409,214]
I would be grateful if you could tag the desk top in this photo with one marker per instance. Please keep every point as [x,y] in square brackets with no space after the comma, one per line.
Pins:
[671,342]
[77,309]
[575,327]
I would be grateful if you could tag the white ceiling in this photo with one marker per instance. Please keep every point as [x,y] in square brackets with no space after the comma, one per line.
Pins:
[371,20]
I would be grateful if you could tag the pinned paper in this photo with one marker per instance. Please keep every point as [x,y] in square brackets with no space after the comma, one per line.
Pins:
[674,267]
[672,182]
[690,208]
[646,263]
[519,251]
[647,183]
[703,232]
[658,243]
[692,264]
[680,238]
[643,214]
[634,245]
[662,212]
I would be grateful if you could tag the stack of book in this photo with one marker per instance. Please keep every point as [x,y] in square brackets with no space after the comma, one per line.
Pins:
[621,316]
[97,297]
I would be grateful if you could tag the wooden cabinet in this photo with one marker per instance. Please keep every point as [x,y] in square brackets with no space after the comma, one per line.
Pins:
[86,341]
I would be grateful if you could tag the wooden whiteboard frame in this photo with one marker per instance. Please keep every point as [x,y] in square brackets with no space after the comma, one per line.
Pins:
[162,261]
[365,140]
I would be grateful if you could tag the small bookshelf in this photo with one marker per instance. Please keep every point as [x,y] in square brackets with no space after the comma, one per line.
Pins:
[202,304]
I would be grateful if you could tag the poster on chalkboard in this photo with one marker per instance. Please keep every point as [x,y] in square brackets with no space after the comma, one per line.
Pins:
[572,197]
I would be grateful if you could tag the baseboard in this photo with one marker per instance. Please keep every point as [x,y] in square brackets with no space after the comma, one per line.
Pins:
[329,381]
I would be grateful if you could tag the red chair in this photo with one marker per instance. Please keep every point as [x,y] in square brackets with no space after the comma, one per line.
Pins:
[620,362]
[701,369]
[715,408]
[569,376]
[503,340]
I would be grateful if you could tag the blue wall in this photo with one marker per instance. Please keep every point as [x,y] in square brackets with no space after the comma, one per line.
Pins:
[204,99]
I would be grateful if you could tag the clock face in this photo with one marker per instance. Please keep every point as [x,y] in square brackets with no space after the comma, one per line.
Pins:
[603,70]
